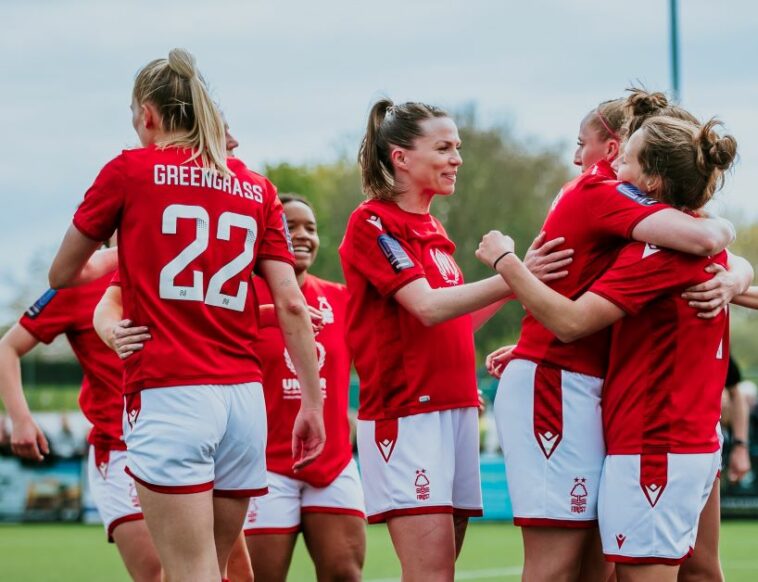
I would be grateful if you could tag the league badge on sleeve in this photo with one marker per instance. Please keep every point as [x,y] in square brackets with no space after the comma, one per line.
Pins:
[287,234]
[393,250]
[40,304]
[635,194]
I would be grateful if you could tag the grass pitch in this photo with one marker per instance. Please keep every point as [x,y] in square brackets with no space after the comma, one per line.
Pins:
[78,553]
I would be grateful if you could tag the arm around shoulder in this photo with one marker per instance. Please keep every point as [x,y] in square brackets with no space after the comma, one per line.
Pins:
[672,229]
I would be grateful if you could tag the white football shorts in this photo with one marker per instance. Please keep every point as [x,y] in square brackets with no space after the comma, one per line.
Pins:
[551,432]
[421,464]
[187,439]
[650,505]
[279,511]
[112,489]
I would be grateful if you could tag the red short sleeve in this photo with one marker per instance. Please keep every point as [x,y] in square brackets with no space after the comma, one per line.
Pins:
[618,207]
[99,213]
[275,237]
[381,256]
[49,316]
[642,273]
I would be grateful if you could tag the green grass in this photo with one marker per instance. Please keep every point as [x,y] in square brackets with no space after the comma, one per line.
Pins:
[51,398]
[492,552]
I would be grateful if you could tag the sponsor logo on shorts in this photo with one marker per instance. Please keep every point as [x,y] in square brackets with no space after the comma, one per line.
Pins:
[446,266]
[620,539]
[548,440]
[102,468]
[653,493]
[385,437]
[579,495]
[423,489]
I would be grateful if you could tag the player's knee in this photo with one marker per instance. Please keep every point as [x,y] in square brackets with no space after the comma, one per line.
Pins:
[343,571]
[148,571]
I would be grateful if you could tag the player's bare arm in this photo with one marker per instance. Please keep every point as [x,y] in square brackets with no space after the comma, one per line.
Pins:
[118,334]
[676,230]
[434,306]
[27,440]
[713,295]
[308,434]
[568,319]
[748,299]
[76,261]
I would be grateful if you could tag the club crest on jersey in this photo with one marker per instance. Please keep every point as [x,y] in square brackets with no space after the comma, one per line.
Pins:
[394,252]
[327,313]
[579,495]
[37,307]
[320,353]
[446,265]
[375,221]
[635,194]
[422,485]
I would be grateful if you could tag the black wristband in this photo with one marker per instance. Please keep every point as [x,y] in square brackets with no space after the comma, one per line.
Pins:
[497,260]
[738,443]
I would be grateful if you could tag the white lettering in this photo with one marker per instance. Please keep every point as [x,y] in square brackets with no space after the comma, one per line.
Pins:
[159,174]
[172,173]
[258,193]
[184,175]
[237,189]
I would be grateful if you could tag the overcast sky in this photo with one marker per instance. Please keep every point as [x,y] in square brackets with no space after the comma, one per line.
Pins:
[296,79]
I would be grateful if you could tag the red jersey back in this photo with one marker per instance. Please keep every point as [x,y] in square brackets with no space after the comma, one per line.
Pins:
[70,311]
[596,214]
[404,367]
[188,242]
[282,388]
[667,366]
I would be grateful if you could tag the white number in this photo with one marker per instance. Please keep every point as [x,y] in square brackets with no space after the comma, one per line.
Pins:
[168,290]
[214,296]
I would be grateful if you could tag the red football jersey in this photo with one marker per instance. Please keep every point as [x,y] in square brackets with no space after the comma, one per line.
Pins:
[404,367]
[667,366]
[596,214]
[282,389]
[70,311]
[188,241]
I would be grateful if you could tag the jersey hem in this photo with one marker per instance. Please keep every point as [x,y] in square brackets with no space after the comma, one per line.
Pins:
[85,230]
[139,385]
[414,410]
[318,483]
[643,216]
[598,374]
[34,333]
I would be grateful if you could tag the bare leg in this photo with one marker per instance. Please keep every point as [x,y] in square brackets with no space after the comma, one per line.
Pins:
[271,555]
[182,529]
[339,556]
[137,551]
[460,524]
[228,517]
[553,554]
[594,566]
[425,545]
[705,565]
[646,573]
[238,568]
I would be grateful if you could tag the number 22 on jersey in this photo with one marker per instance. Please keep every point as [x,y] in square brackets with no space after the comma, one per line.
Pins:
[213,296]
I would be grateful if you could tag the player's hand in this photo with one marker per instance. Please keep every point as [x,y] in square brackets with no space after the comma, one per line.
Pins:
[308,437]
[28,441]
[496,361]
[125,339]
[493,245]
[545,262]
[739,463]
[715,294]
[317,319]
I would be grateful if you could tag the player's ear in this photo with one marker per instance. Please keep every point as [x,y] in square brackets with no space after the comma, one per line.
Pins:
[398,158]
[652,183]
[150,116]
[612,149]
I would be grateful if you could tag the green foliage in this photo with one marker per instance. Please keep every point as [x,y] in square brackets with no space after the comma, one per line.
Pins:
[504,184]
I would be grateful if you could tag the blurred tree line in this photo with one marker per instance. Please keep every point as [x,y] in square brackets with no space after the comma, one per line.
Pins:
[504,184]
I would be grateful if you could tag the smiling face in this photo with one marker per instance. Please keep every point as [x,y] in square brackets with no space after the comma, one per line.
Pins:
[302,226]
[591,147]
[431,167]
